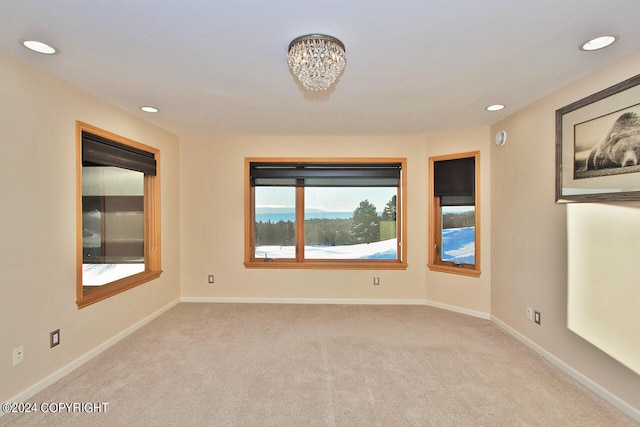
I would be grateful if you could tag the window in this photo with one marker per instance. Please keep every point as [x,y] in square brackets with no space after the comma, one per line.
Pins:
[118,214]
[454,232]
[325,213]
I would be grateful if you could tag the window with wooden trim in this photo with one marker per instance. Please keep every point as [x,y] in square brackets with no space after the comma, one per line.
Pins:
[454,213]
[118,214]
[325,213]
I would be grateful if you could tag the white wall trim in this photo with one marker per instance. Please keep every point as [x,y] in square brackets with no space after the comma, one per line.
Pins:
[252,300]
[587,382]
[573,373]
[460,310]
[55,376]
[353,301]
[60,373]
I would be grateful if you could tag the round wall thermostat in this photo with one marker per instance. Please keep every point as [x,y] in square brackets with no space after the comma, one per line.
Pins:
[501,138]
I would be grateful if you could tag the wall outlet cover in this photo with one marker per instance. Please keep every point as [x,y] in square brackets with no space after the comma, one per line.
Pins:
[54,338]
[18,355]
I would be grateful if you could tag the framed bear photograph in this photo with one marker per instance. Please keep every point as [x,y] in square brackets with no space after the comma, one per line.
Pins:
[598,146]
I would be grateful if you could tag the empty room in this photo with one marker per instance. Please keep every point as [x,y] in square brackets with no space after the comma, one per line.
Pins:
[335,214]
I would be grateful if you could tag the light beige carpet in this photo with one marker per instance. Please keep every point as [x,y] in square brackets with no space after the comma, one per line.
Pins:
[321,365]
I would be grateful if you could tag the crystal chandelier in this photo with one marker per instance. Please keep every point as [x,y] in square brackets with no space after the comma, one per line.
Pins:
[317,60]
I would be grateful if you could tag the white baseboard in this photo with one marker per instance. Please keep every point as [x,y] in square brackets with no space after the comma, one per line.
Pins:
[354,301]
[461,310]
[582,379]
[55,376]
[587,382]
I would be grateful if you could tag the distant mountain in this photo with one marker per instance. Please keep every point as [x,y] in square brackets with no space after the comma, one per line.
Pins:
[274,210]
[283,210]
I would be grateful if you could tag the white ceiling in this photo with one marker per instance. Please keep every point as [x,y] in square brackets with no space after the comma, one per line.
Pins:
[413,66]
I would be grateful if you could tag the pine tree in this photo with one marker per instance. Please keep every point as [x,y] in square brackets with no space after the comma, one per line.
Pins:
[366,223]
[389,213]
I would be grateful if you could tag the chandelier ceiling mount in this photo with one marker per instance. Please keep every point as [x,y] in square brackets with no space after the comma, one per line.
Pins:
[316,60]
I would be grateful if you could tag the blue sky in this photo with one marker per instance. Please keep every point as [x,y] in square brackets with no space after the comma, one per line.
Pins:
[330,199]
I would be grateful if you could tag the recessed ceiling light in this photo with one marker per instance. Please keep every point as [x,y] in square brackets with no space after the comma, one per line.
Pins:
[39,47]
[148,109]
[495,107]
[598,43]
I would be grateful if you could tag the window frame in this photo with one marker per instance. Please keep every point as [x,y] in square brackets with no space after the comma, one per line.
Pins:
[299,262]
[435,262]
[152,225]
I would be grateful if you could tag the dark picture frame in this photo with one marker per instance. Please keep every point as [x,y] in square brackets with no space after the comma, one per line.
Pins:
[598,146]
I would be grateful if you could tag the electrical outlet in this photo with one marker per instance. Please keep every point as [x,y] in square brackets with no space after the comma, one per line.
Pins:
[210,278]
[376,280]
[18,355]
[54,338]
[529,313]
[537,317]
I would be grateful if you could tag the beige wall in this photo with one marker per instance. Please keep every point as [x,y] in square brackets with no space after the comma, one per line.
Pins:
[37,226]
[473,294]
[524,254]
[529,235]
[212,190]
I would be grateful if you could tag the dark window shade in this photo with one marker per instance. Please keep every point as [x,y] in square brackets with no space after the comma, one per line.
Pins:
[454,181]
[113,203]
[325,175]
[99,151]
[457,201]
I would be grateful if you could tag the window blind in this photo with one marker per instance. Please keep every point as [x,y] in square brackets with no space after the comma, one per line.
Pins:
[99,151]
[325,175]
[454,181]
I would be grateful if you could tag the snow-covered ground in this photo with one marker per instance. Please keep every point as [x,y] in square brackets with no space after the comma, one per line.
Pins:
[464,251]
[101,274]
[385,249]
[458,245]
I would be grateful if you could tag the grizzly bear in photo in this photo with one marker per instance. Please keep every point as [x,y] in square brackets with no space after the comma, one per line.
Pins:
[621,146]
